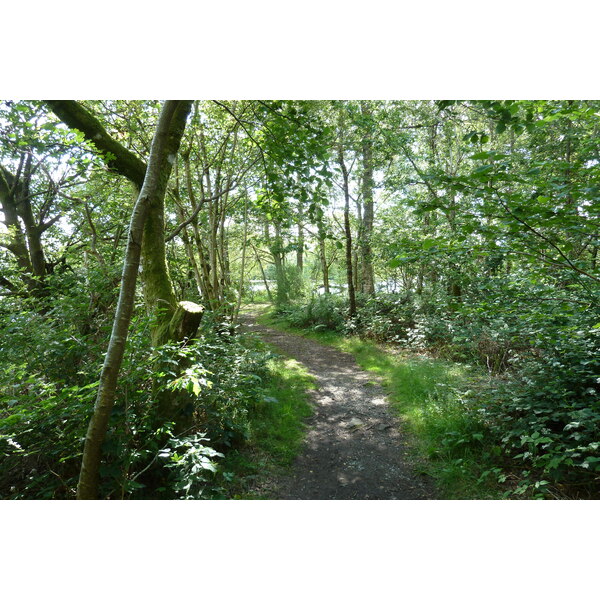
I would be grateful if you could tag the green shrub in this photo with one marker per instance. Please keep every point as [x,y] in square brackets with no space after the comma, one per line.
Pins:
[548,413]
[386,317]
[48,378]
[325,312]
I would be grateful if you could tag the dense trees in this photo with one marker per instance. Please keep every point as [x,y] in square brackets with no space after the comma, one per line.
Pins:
[467,229]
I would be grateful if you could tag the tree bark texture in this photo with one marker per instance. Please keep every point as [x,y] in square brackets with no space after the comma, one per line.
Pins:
[348,235]
[367,283]
[300,239]
[323,256]
[153,184]
[25,229]
[158,289]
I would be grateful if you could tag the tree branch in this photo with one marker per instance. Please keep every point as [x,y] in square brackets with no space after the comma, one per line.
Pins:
[185,223]
[121,160]
[543,237]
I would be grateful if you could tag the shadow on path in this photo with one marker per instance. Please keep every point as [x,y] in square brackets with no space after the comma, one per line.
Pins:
[354,447]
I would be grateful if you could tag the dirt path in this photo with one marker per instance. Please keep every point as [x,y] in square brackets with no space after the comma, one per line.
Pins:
[354,447]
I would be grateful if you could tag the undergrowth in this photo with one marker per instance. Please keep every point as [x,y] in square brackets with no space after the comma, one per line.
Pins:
[240,396]
[432,398]
[276,431]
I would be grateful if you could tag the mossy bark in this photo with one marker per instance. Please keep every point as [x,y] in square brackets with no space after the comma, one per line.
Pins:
[154,184]
[177,406]
[182,325]
[117,158]
[173,321]
[158,288]
[159,295]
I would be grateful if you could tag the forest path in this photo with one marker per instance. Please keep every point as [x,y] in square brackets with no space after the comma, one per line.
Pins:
[354,448]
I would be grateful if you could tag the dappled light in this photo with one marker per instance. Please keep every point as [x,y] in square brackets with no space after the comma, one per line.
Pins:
[218,299]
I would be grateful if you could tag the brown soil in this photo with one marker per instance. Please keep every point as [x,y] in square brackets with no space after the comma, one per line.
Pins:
[354,448]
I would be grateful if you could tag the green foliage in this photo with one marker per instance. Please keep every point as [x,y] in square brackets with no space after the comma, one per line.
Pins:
[276,430]
[543,412]
[48,383]
[433,399]
[190,460]
[548,413]
[224,383]
[485,240]
[49,363]
[41,429]
[386,317]
[326,312]
[294,143]
[290,284]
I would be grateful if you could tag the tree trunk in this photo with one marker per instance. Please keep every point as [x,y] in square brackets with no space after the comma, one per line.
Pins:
[189,250]
[348,235]
[262,271]
[154,183]
[367,283]
[243,265]
[24,234]
[276,247]
[204,271]
[323,256]
[158,289]
[300,239]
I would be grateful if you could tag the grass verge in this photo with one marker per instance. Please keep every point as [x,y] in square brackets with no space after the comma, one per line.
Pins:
[433,398]
[276,431]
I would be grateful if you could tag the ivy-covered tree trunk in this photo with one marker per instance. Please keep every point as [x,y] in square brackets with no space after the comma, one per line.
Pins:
[154,184]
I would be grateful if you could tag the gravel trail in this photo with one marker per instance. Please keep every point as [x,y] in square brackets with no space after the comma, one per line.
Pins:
[354,448]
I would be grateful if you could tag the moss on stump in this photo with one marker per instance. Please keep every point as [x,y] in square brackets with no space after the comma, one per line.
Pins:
[183,324]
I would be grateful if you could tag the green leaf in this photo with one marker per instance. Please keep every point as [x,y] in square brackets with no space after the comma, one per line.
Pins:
[482,155]
[399,260]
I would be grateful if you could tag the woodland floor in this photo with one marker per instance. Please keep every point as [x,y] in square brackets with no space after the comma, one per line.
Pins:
[354,448]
